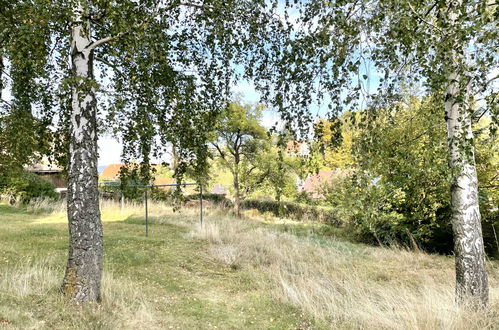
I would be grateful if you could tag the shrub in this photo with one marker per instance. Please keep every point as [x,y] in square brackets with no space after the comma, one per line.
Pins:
[114,190]
[294,211]
[377,212]
[26,186]
[215,198]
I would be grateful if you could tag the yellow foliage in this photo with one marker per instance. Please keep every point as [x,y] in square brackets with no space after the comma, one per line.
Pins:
[339,156]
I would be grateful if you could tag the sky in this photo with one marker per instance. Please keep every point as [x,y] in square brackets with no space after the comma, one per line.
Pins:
[109,151]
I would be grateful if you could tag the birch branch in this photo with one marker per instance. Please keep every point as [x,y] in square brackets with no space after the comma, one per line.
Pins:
[106,40]
[100,59]
[422,19]
[6,102]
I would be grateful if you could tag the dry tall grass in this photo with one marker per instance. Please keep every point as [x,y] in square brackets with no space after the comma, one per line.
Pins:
[29,277]
[343,285]
[347,285]
[42,205]
[123,306]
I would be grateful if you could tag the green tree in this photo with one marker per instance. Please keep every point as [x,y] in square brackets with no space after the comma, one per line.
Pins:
[403,147]
[284,170]
[242,146]
[402,176]
[336,137]
[24,137]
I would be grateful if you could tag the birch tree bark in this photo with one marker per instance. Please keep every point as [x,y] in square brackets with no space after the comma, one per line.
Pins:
[471,274]
[82,281]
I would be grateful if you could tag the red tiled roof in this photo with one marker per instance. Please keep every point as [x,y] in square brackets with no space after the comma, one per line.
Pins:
[293,146]
[159,181]
[297,148]
[111,172]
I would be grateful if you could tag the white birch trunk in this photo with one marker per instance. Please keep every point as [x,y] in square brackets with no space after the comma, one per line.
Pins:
[82,281]
[471,275]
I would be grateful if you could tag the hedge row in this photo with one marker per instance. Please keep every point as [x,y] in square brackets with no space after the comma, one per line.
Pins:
[215,198]
[293,211]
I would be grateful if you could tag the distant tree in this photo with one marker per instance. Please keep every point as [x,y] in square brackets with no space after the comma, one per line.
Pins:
[335,139]
[284,170]
[242,146]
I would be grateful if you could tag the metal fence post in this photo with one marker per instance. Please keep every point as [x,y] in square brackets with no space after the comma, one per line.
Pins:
[201,204]
[147,215]
[122,203]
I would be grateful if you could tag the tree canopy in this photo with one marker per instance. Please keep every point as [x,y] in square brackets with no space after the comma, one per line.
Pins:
[242,146]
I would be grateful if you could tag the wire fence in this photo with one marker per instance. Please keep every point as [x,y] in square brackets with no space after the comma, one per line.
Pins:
[146,198]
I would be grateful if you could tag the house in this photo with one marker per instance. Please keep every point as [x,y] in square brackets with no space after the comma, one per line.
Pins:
[219,189]
[49,172]
[314,185]
[112,173]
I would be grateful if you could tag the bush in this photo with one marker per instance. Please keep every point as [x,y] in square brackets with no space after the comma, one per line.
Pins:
[399,190]
[377,212]
[215,198]
[294,211]
[26,186]
[373,212]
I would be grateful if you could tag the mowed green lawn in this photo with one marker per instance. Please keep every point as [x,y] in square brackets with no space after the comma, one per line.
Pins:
[167,280]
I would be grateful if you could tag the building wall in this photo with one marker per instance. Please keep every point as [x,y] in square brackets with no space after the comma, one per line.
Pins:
[57,179]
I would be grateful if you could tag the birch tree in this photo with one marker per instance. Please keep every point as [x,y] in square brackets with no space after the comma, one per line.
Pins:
[361,53]
[156,70]
[83,272]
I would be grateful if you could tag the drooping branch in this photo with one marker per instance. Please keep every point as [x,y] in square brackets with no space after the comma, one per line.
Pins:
[195,5]
[6,102]
[157,11]
[422,19]
[108,39]
[116,69]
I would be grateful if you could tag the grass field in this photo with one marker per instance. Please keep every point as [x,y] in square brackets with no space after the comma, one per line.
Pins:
[229,274]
